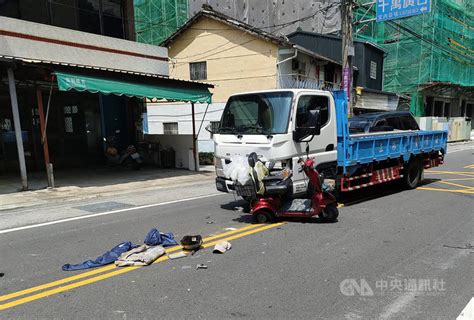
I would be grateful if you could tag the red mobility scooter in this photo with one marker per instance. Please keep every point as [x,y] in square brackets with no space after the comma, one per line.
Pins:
[275,202]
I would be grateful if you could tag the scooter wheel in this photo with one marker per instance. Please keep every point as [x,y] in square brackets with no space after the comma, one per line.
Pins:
[263,217]
[329,214]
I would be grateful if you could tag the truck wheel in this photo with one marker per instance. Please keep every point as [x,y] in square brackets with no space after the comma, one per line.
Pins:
[263,217]
[412,174]
[329,214]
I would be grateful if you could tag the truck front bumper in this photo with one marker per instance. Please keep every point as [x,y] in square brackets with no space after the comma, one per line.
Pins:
[224,185]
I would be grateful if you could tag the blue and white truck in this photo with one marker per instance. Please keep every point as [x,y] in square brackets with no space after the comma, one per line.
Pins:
[274,125]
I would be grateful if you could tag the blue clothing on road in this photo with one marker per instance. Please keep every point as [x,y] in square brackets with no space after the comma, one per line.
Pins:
[156,238]
[107,258]
[153,238]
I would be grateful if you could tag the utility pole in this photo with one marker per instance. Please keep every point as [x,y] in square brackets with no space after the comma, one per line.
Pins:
[347,51]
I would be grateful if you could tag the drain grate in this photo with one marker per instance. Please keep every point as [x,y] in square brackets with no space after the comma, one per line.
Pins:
[104,206]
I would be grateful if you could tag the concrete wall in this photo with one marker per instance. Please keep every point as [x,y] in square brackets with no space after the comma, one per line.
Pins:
[236,61]
[41,42]
[159,113]
[459,129]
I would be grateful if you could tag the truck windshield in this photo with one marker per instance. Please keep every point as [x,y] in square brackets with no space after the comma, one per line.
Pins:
[257,113]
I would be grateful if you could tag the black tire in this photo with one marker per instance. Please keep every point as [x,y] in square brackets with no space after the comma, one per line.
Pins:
[330,213]
[263,217]
[412,174]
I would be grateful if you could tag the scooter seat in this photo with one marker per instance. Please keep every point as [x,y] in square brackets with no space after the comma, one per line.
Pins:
[278,189]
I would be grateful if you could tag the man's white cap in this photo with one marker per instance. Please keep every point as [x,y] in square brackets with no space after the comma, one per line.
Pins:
[222,247]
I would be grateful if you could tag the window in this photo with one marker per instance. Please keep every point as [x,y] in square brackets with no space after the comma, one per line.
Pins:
[306,103]
[89,16]
[170,128]
[198,70]
[469,108]
[463,108]
[10,9]
[447,109]
[69,112]
[373,70]
[63,14]
[112,17]
[438,109]
[34,10]
[442,109]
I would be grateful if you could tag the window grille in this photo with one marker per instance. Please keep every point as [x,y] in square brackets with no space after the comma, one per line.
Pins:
[170,128]
[198,70]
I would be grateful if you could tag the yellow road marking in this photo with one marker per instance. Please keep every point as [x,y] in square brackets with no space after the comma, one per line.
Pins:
[459,179]
[456,174]
[470,173]
[471,166]
[124,270]
[107,268]
[446,190]
[455,184]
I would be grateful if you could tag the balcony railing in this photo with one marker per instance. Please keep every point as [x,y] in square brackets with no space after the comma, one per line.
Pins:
[298,81]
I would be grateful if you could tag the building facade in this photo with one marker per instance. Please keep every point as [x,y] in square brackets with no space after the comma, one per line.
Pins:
[67,85]
[235,57]
[429,56]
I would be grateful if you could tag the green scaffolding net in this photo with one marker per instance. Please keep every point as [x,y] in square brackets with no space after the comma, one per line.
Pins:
[424,49]
[156,20]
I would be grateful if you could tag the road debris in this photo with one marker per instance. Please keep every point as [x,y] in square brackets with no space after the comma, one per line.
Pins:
[192,243]
[107,258]
[153,238]
[222,247]
[468,246]
[140,256]
[156,238]
[230,229]
[177,255]
[201,266]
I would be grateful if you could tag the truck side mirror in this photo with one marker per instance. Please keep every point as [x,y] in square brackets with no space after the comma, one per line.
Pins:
[208,128]
[311,127]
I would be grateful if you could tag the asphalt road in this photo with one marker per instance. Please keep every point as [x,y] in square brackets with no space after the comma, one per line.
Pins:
[396,254]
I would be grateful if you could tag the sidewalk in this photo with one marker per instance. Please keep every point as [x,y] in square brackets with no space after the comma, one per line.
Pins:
[78,185]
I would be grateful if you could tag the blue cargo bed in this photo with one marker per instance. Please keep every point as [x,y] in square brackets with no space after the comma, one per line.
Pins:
[360,149]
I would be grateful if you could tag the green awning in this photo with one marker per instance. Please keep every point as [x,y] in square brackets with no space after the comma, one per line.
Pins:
[68,81]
